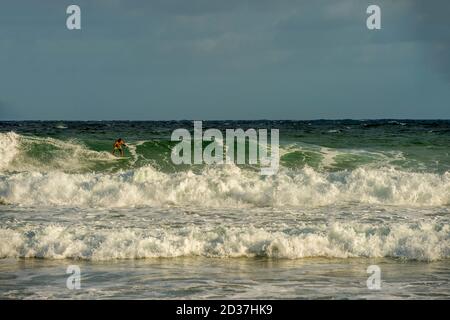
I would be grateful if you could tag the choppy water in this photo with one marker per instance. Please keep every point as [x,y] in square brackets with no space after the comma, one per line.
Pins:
[348,194]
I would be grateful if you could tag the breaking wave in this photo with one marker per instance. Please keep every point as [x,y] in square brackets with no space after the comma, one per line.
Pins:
[44,154]
[56,174]
[227,186]
[426,242]
[40,171]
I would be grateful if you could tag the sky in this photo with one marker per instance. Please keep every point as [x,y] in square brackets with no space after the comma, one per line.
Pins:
[216,59]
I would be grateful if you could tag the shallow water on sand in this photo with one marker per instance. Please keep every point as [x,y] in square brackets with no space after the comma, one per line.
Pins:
[211,278]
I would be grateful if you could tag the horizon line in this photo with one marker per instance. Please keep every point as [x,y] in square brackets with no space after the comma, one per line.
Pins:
[261,119]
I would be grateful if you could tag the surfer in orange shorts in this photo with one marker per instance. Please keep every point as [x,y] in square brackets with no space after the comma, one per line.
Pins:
[118,146]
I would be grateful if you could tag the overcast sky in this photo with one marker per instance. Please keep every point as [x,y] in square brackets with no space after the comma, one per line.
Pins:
[224,59]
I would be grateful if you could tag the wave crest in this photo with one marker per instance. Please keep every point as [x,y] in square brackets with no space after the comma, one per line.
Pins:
[45,154]
[226,186]
[425,242]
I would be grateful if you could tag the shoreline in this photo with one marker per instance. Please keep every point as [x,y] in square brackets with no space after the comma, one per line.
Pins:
[212,278]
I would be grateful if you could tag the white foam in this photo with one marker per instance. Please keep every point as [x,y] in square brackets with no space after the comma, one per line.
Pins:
[420,242]
[10,148]
[226,186]
[330,156]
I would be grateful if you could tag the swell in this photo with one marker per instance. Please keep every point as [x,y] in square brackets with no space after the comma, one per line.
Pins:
[27,153]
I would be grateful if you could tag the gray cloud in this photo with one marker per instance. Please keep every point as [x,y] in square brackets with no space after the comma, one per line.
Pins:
[222,59]
[432,27]
[7,112]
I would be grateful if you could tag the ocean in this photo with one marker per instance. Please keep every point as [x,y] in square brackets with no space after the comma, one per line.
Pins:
[348,195]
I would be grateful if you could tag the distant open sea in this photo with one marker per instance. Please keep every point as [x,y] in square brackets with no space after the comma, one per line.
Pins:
[348,194]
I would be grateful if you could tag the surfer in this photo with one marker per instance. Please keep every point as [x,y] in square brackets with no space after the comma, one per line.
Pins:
[118,146]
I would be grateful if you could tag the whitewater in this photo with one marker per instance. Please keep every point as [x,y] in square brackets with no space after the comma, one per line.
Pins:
[29,182]
[353,193]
